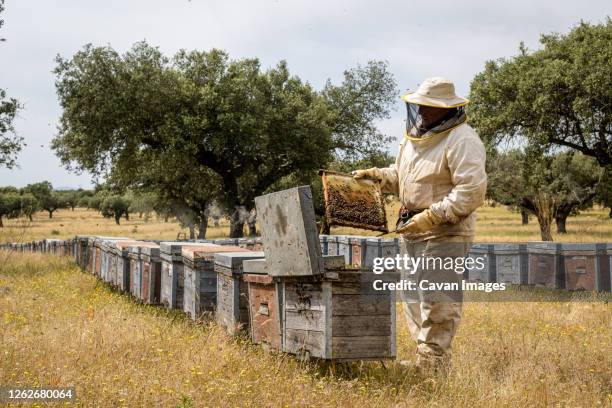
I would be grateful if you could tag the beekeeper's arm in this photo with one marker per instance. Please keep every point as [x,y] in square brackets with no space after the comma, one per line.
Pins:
[388,175]
[466,161]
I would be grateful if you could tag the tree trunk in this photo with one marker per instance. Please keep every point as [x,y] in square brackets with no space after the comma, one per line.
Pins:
[1,224]
[561,225]
[50,213]
[117,219]
[30,217]
[236,225]
[544,211]
[127,215]
[191,231]
[610,213]
[165,218]
[524,217]
[203,227]
[252,223]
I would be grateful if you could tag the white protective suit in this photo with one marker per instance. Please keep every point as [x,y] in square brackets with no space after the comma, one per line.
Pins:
[445,173]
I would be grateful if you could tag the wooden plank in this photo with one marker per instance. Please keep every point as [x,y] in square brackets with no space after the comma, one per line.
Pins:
[361,326]
[305,320]
[363,347]
[361,305]
[305,343]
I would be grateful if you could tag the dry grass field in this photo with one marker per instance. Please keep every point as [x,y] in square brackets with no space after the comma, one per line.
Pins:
[495,224]
[62,327]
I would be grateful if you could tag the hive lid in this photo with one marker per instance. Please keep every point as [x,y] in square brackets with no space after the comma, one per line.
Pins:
[255,266]
[174,247]
[578,247]
[289,232]
[547,245]
[149,250]
[235,259]
[193,252]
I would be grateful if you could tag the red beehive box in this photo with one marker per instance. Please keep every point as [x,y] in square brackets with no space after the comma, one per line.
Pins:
[264,305]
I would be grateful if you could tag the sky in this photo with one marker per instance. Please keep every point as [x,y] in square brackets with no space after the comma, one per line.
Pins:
[318,39]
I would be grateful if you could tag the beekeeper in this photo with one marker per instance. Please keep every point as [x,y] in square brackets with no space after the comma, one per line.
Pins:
[439,176]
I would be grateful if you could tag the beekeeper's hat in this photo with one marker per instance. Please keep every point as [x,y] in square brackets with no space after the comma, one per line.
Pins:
[437,92]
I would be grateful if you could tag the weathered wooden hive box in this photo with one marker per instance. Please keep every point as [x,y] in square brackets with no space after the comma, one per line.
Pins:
[265,304]
[338,316]
[172,272]
[120,275]
[323,239]
[511,263]
[606,261]
[483,253]
[332,245]
[232,310]
[81,252]
[135,271]
[150,273]
[200,279]
[583,268]
[327,309]
[51,246]
[91,255]
[546,266]
[252,244]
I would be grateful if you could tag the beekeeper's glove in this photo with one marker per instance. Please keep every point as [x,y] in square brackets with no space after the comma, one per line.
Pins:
[372,173]
[422,222]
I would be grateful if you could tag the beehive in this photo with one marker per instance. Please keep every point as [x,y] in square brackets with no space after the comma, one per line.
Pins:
[484,253]
[511,263]
[121,263]
[82,251]
[200,279]
[232,311]
[264,304]
[150,273]
[345,247]
[135,270]
[172,272]
[337,316]
[546,267]
[606,261]
[332,245]
[323,243]
[583,267]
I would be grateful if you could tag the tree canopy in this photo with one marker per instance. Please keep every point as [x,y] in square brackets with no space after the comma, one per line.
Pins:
[557,96]
[201,126]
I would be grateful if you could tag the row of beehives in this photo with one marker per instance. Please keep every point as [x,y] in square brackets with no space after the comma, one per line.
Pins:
[554,265]
[329,316]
